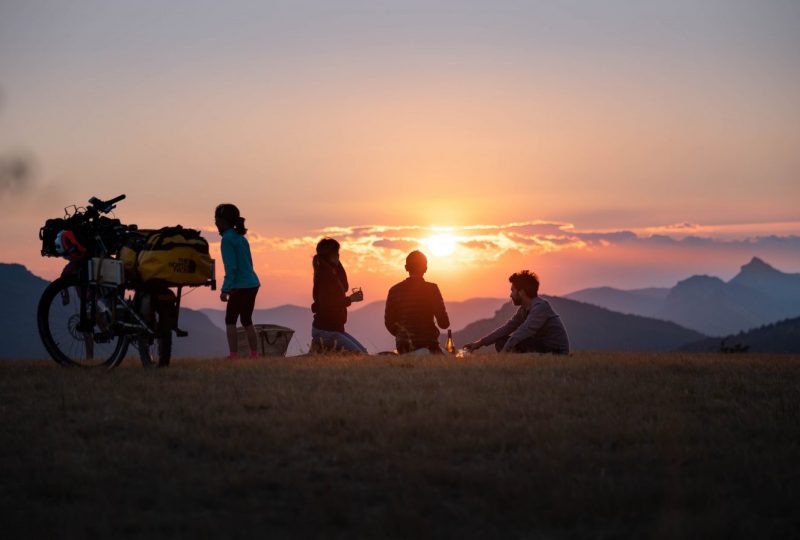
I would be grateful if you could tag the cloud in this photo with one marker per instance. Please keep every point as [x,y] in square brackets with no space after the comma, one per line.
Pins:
[678,228]
[375,248]
[399,245]
[16,174]
[479,244]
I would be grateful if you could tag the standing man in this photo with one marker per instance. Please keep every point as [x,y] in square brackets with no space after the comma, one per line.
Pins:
[535,327]
[412,306]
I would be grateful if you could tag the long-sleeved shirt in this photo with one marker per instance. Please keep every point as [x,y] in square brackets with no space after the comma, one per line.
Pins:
[411,307]
[330,297]
[538,321]
[238,261]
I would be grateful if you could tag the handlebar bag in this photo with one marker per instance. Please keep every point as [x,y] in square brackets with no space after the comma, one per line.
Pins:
[53,246]
[176,256]
[48,235]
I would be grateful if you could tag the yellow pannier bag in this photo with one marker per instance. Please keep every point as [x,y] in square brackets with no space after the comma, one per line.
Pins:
[175,256]
[129,252]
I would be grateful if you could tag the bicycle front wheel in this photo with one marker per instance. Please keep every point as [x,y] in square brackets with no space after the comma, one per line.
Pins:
[67,342]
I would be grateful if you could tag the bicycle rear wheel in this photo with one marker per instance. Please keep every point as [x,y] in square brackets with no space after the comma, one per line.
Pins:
[58,319]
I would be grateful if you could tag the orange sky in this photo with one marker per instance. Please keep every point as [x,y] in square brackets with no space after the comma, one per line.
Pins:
[404,117]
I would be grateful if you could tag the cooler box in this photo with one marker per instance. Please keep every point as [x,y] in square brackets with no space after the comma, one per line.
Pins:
[273,340]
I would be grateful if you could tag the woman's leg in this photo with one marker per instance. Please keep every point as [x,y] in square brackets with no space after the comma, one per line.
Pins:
[233,339]
[323,340]
[248,305]
[231,315]
[336,341]
[350,343]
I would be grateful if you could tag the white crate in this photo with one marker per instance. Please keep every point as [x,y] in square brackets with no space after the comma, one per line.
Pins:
[109,271]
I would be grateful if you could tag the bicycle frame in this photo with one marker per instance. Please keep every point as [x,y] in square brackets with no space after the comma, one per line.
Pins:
[98,277]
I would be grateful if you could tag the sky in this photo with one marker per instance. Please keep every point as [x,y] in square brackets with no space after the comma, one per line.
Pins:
[621,143]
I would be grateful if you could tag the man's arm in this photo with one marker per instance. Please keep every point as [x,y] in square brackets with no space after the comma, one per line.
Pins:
[538,314]
[439,311]
[390,313]
[512,324]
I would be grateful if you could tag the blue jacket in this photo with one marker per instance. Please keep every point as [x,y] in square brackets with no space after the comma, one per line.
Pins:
[239,273]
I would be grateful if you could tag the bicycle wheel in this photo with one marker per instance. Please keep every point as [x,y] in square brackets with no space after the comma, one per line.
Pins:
[156,350]
[58,318]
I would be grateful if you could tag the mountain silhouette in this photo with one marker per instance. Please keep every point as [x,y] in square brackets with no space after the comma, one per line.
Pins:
[594,328]
[779,337]
[781,287]
[759,294]
[20,290]
[718,308]
[644,302]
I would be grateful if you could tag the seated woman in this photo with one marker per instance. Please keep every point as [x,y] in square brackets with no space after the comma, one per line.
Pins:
[331,301]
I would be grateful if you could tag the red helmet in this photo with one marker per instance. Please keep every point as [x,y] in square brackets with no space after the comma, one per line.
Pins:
[67,245]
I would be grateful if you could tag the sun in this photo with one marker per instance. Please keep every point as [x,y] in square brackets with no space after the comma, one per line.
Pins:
[441,245]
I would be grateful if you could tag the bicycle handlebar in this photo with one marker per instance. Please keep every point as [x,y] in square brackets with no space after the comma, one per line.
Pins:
[115,200]
[105,206]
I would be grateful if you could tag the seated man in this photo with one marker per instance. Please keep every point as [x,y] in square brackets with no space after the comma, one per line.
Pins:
[412,306]
[535,327]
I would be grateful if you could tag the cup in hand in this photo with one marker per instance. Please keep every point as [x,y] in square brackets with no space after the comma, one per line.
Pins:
[357,295]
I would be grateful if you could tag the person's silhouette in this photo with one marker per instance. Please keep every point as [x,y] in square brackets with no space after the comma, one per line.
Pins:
[412,306]
[535,327]
[331,301]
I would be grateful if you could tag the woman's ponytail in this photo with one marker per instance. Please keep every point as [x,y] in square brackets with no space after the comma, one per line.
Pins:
[230,213]
[239,227]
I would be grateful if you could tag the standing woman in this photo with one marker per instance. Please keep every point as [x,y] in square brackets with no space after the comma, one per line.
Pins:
[240,287]
[331,300]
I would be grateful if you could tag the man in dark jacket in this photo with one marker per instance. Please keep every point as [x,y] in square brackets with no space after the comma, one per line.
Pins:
[535,327]
[412,306]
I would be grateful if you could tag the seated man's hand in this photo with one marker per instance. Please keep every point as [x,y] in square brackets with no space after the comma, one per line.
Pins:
[357,296]
[472,346]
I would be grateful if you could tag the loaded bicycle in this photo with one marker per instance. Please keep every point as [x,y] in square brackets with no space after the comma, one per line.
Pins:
[121,286]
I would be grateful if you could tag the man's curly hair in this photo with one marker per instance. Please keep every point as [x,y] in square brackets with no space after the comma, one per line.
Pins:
[526,281]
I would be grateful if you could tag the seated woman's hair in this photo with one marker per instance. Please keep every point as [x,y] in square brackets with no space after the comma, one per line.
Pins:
[230,213]
[526,281]
[325,247]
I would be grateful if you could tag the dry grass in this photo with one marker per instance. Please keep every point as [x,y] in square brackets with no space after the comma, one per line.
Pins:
[597,445]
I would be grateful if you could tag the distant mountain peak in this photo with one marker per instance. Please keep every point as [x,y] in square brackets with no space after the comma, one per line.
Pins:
[9,271]
[757,265]
[699,281]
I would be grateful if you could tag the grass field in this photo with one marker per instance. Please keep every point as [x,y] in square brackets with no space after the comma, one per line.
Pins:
[597,445]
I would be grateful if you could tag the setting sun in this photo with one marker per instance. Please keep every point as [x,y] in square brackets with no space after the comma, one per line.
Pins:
[441,245]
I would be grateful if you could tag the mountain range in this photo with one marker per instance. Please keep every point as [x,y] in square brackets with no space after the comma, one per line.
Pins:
[782,336]
[604,318]
[759,294]
[594,328]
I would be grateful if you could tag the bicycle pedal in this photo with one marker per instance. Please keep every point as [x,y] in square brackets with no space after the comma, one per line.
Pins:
[84,328]
[181,333]
[127,328]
